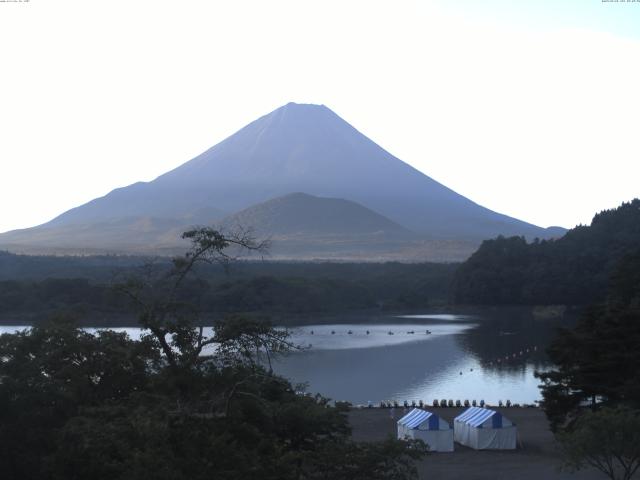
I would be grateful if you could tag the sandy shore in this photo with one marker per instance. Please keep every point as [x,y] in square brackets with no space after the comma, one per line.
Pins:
[537,458]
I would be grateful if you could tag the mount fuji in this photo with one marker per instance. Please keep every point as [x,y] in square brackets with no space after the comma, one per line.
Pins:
[298,148]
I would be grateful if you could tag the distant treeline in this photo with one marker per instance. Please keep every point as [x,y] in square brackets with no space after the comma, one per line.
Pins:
[574,269]
[39,267]
[267,288]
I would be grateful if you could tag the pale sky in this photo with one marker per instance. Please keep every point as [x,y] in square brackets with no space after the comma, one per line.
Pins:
[530,108]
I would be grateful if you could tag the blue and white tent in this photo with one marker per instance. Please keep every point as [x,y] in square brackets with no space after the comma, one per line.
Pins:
[482,429]
[426,426]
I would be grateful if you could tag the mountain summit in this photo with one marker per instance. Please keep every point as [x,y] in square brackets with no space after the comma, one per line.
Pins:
[295,148]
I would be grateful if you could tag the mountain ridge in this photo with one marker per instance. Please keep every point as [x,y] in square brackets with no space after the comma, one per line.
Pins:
[295,148]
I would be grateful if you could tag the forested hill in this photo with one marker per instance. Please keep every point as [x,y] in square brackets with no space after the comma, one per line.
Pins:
[35,288]
[574,269]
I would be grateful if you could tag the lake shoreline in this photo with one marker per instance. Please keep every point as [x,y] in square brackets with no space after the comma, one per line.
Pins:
[289,319]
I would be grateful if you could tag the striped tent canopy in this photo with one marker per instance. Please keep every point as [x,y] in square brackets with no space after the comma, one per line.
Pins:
[417,418]
[477,416]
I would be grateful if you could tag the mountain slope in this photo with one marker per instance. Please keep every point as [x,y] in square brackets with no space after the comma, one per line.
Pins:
[305,148]
[114,235]
[302,226]
[296,148]
[305,215]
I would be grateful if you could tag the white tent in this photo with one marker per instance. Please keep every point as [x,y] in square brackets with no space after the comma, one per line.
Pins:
[428,427]
[483,429]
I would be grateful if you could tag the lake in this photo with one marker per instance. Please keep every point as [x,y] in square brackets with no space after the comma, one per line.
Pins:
[488,356]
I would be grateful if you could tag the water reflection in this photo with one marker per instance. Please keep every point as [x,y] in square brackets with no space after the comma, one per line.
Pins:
[508,342]
[448,317]
[490,356]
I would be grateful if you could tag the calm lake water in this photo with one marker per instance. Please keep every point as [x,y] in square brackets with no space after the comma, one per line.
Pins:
[490,356]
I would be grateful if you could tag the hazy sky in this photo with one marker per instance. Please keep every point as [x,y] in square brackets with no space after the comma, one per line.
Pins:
[530,107]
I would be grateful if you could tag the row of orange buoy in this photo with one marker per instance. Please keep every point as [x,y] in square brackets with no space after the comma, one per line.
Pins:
[439,403]
[514,356]
[350,332]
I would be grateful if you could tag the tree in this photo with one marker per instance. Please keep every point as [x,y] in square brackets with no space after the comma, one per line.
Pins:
[592,397]
[597,361]
[571,270]
[165,304]
[597,365]
[76,405]
[608,440]
[48,374]
[387,460]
